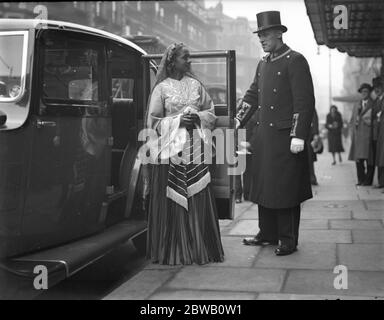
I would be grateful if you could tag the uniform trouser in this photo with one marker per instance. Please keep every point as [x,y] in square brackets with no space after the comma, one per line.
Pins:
[280,225]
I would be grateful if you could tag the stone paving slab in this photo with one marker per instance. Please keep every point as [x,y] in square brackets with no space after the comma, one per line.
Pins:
[318,282]
[252,213]
[142,285]
[308,256]
[333,204]
[362,256]
[325,236]
[370,196]
[228,279]
[237,254]
[368,236]
[327,196]
[285,296]
[356,224]
[245,227]
[375,205]
[367,215]
[304,224]
[201,295]
[313,224]
[242,207]
[326,214]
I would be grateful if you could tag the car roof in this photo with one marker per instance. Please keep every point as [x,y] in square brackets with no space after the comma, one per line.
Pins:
[26,24]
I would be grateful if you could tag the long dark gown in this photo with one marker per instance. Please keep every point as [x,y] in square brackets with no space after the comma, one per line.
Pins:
[176,235]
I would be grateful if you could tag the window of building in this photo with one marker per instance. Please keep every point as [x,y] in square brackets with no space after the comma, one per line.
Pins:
[180,25]
[127,30]
[98,8]
[138,5]
[157,8]
[113,11]
[176,22]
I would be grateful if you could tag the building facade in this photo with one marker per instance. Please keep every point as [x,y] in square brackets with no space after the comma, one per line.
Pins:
[156,24]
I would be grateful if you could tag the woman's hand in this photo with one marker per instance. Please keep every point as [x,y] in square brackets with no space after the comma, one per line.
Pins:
[186,121]
[194,118]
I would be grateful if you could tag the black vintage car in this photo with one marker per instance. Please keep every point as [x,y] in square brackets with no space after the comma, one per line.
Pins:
[72,104]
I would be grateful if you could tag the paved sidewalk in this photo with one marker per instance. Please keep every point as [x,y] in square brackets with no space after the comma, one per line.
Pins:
[341,225]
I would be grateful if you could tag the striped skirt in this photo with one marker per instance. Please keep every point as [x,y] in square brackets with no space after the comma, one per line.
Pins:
[177,236]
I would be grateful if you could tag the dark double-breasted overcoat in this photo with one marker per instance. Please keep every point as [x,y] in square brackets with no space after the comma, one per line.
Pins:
[282,98]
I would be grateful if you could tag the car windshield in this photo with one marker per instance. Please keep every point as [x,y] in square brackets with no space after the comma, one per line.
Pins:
[12,65]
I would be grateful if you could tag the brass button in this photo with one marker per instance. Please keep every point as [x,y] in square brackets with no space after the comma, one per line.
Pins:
[259,107]
[271,124]
[278,73]
[288,56]
[258,74]
[274,90]
[272,107]
[257,122]
[258,90]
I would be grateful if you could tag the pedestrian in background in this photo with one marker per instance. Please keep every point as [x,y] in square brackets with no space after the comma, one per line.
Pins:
[360,123]
[378,130]
[334,124]
[183,225]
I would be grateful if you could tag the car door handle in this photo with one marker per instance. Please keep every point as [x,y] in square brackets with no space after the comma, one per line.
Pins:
[41,124]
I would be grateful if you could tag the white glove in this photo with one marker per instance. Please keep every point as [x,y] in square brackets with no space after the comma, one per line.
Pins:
[237,123]
[297,145]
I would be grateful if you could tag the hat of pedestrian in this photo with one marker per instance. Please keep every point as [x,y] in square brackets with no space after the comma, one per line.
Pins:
[269,20]
[365,86]
[377,82]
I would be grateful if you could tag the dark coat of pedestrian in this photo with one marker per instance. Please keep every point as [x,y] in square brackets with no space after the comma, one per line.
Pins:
[334,124]
[360,123]
[376,154]
[361,128]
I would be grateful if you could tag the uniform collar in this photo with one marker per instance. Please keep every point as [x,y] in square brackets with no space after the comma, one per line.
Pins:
[284,50]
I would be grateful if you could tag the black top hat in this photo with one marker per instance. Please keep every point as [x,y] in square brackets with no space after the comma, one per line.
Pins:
[365,86]
[377,82]
[268,20]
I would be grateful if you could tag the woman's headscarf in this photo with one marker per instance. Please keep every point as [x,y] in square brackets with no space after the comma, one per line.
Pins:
[165,68]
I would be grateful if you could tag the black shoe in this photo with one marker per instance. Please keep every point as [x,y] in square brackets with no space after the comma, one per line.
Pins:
[378,187]
[314,183]
[359,183]
[366,184]
[284,250]
[258,242]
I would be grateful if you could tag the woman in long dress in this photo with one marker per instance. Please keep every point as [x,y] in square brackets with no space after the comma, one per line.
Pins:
[334,124]
[183,224]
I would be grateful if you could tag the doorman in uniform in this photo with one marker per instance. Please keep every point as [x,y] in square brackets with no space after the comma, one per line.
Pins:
[281,99]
